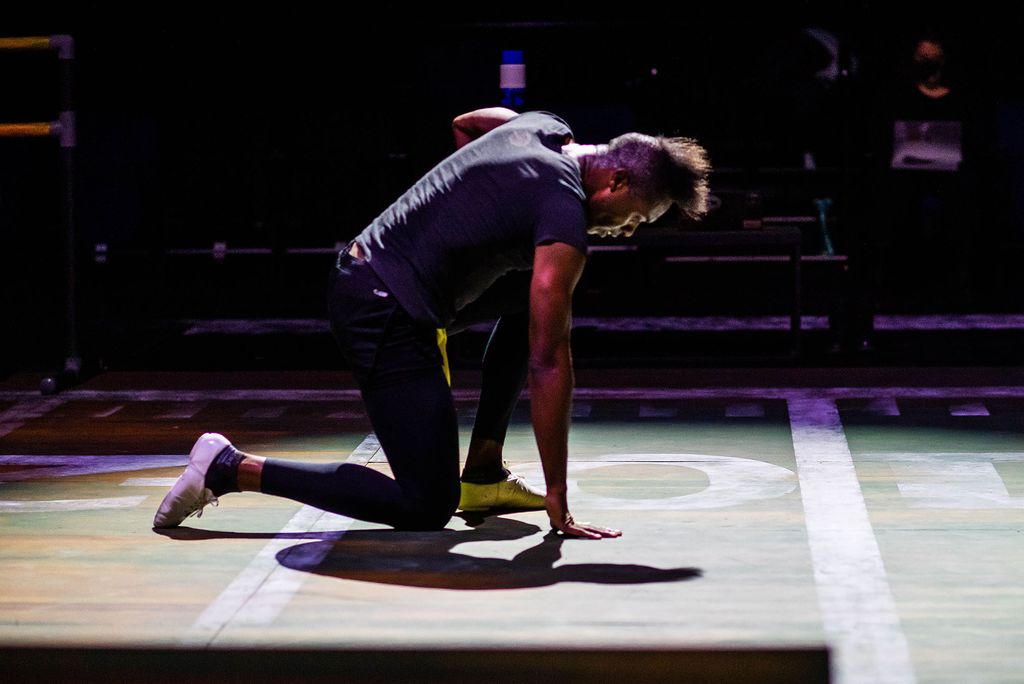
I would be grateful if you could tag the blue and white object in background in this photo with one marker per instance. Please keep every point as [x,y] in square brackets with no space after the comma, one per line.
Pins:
[513,78]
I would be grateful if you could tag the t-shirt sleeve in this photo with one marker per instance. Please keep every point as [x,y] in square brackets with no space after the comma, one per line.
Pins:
[562,219]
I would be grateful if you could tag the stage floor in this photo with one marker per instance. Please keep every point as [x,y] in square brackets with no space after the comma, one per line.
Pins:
[882,521]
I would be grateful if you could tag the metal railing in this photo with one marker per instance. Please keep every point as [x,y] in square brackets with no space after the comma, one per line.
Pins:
[63,129]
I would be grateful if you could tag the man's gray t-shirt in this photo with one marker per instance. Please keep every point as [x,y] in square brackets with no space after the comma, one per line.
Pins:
[478,215]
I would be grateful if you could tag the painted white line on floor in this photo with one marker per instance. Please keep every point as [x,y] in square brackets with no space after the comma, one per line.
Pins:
[109,412]
[19,414]
[66,505]
[745,410]
[259,593]
[732,481]
[857,605]
[167,482]
[183,411]
[962,481]
[368,450]
[40,466]
[971,408]
[267,412]
[281,583]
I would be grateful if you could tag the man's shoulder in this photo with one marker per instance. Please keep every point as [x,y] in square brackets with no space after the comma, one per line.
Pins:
[542,114]
[545,123]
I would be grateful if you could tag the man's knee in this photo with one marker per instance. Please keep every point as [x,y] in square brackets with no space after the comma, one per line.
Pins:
[432,512]
[427,519]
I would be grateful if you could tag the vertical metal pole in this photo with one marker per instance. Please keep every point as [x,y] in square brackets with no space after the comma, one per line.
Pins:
[794,319]
[68,139]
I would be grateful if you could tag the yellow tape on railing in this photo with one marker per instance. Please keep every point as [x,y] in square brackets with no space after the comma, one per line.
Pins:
[29,43]
[26,130]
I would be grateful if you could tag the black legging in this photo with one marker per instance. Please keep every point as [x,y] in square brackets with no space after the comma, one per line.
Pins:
[399,369]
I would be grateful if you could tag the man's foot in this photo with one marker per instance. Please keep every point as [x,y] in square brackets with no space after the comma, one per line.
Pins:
[512,492]
[190,494]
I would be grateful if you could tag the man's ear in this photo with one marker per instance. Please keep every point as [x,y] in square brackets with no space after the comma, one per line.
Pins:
[619,180]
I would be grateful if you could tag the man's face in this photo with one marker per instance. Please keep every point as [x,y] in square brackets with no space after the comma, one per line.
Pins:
[616,212]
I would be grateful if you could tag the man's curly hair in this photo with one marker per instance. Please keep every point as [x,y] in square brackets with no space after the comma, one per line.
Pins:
[661,168]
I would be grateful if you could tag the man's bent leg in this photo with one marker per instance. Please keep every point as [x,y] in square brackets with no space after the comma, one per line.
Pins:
[486,481]
[414,420]
[410,405]
[504,370]
[504,376]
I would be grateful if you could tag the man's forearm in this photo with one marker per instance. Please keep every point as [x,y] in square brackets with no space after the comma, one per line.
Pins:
[471,125]
[550,409]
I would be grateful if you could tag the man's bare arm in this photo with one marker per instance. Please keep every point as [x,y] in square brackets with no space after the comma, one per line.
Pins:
[556,269]
[471,125]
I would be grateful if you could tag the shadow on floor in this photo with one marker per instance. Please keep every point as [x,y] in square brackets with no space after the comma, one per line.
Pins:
[425,559]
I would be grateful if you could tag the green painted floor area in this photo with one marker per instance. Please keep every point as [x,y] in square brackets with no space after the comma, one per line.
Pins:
[715,548]
[944,493]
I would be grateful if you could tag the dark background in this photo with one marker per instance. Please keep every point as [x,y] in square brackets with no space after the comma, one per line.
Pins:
[294,125]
